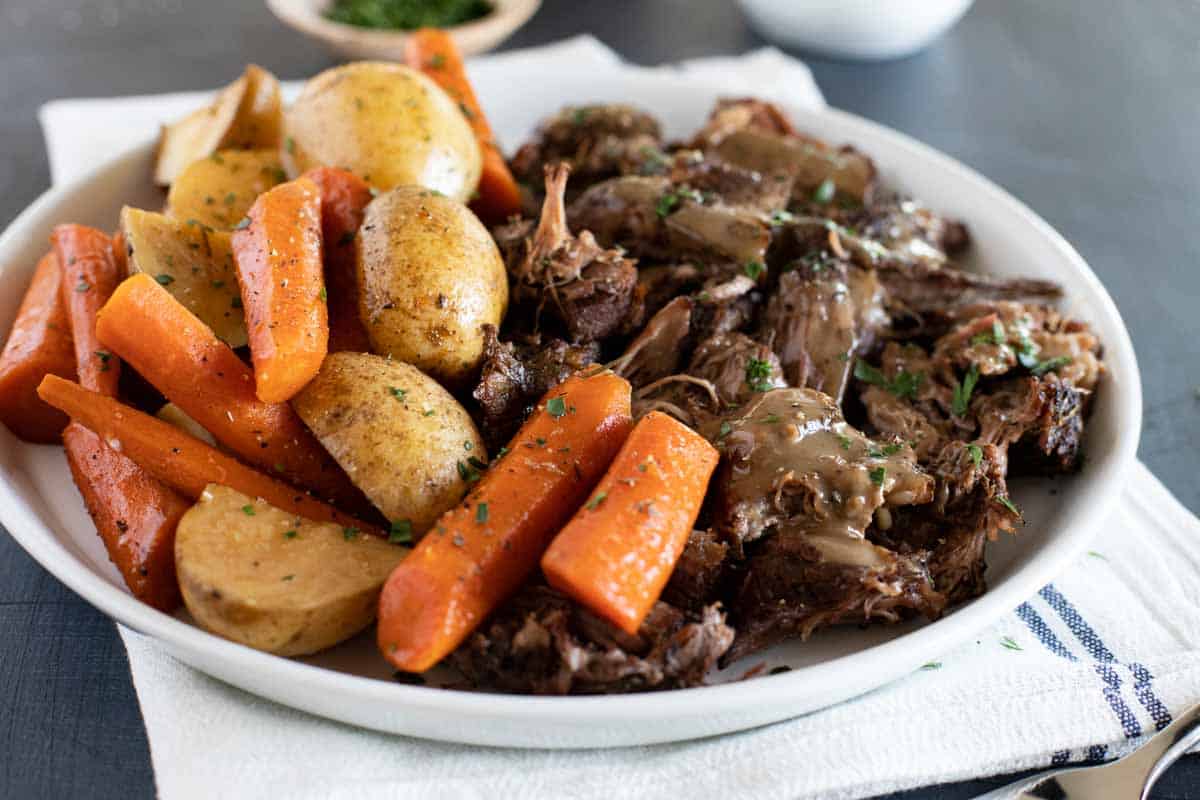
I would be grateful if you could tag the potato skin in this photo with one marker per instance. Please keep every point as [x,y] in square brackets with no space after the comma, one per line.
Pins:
[402,438]
[388,124]
[430,277]
[245,577]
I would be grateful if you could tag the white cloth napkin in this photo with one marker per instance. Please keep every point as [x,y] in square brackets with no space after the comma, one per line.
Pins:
[1098,659]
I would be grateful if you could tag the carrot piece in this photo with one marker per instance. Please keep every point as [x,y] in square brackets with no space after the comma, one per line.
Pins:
[278,260]
[617,552]
[89,276]
[134,513]
[180,459]
[433,52]
[478,553]
[344,199]
[181,356]
[38,345]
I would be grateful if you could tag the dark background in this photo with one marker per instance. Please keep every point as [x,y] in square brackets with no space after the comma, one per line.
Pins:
[1089,111]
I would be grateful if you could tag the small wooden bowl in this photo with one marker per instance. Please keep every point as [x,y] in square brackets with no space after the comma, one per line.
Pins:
[352,42]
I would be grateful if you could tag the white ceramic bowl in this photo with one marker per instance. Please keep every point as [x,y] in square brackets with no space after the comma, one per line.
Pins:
[353,42]
[352,683]
[862,29]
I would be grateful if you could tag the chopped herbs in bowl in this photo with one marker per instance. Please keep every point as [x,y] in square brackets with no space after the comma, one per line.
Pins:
[406,15]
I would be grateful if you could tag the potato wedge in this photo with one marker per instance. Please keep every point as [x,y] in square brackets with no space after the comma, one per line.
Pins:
[218,191]
[257,575]
[191,261]
[402,438]
[247,113]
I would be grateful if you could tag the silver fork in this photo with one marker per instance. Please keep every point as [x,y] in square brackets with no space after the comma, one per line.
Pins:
[1128,778]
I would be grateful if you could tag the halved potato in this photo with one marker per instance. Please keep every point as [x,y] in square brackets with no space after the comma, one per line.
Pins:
[386,123]
[402,438]
[245,114]
[191,261]
[218,191]
[257,575]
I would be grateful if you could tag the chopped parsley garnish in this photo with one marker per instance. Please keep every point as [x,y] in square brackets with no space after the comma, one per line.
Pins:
[725,430]
[905,384]
[217,284]
[885,451]
[82,286]
[1100,556]
[163,279]
[230,198]
[400,532]
[962,391]
[556,407]
[931,665]
[772,419]
[996,336]
[781,217]
[290,144]
[877,475]
[397,393]
[323,294]
[1009,504]
[467,446]
[468,472]
[437,61]
[349,533]
[243,223]
[758,374]
[596,500]
[976,453]
[248,510]
[429,412]
[235,302]
[288,578]
[1049,365]
[481,513]
[672,200]
[1008,643]
[104,357]
[290,534]
[845,441]
[825,192]
[754,269]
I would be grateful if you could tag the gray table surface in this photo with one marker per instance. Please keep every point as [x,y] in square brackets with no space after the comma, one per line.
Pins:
[1089,111]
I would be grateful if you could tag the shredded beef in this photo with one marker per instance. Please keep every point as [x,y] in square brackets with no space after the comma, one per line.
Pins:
[542,643]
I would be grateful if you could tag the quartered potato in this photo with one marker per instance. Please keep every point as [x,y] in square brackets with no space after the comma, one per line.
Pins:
[430,277]
[246,114]
[218,191]
[402,438]
[257,575]
[191,261]
[388,124]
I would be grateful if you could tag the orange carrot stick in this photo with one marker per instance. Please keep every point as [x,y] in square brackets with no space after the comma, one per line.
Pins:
[617,552]
[478,553]
[38,345]
[278,260]
[344,199]
[433,52]
[90,274]
[134,514]
[181,356]
[180,459]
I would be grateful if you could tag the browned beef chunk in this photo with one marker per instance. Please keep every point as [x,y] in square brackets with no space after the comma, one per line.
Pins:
[737,367]
[661,346]
[905,226]
[790,589]
[697,572]
[595,141]
[808,485]
[734,114]
[653,218]
[590,291]
[929,293]
[1041,418]
[540,642]
[968,509]
[515,376]
[734,186]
